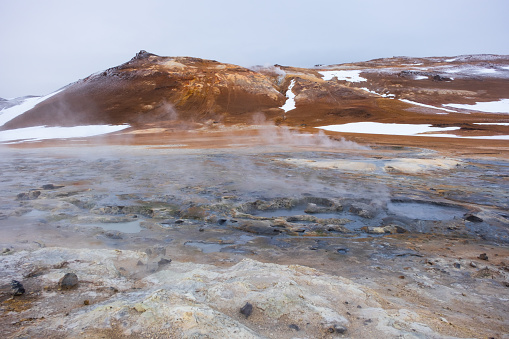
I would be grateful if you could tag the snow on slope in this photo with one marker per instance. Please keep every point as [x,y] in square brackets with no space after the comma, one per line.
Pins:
[501,106]
[350,76]
[38,133]
[10,113]
[290,102]
[421,130]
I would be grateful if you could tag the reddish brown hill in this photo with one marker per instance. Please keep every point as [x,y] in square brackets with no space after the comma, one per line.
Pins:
[150,90]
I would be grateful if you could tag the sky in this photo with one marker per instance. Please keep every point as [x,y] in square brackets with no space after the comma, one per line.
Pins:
[46,45]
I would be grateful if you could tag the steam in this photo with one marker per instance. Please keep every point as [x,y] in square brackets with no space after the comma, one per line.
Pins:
[271,70]
[284,136]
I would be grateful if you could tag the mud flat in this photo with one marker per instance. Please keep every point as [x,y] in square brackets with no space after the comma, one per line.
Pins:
[281,240]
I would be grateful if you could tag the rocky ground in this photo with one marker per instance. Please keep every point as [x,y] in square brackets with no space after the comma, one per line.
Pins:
[210,236]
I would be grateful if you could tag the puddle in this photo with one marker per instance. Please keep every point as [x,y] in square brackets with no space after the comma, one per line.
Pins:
[124,227]
[292,213]
[207,247]
[425,211]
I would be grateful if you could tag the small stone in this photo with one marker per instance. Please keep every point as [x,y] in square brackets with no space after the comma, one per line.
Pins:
[6,250]
[68,281]
[457,265]
[401,277]
[201,230]
[247,309]
[294,327]
[473,218]
[473,264]
[163,262]
[17,288]
[339,329]
[86,302]
[483,256]
[139,263]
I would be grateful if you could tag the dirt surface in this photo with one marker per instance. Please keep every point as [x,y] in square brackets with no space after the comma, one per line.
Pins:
[396,232]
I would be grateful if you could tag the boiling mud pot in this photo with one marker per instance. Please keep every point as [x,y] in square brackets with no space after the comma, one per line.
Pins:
[425,211]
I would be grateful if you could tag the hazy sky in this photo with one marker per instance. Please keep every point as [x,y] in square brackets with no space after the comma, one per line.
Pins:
[48,44]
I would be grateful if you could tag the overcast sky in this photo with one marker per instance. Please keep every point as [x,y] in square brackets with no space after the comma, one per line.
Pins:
[48,44]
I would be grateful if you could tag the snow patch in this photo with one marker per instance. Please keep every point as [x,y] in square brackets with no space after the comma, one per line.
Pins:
[492,123]
[387,129]
[350,76]
[427,106]
[38,133]
[501,106]
[421,77]
[421,130]
[10,113]
[486,71]
[290,102]
[382,95]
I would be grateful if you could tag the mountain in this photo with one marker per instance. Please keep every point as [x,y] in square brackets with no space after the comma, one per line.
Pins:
[151,90]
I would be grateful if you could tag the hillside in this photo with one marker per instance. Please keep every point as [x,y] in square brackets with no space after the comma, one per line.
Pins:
[188,93]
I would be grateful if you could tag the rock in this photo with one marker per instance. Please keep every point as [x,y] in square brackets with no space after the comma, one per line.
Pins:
[483,256]
[50,187]
[472,218]
[389,229]
[86,302]
[6,250]
[257,226]
[457,265]
[163,262]
[247,309]
[441,78]
[294,327]
[373,230]
[17,288]
[31,195]
[473,264]
[337,329]
[68,281]
[363,210]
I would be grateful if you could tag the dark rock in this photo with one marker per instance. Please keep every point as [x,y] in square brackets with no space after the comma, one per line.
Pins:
[222,221]
[263,227]
[247,309]
[50,187]
[163,262]
[441,78]
[139,263]
[31,195]
[86,302]
[340,329]
[17,288]
[457,265]
[337,329]
[201,230]
[483,256]
[113,235]
[473,218]
[294,327]
[342,250]
[68,281]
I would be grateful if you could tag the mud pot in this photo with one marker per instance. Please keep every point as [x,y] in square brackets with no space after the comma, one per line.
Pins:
[383,242]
